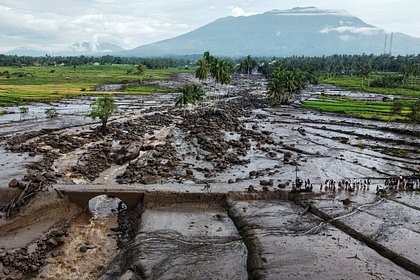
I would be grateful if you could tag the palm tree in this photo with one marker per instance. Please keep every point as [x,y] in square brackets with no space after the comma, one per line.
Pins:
[285,84]
[202,71]
[190,94]
[250,63]
[141,70]
[225,73]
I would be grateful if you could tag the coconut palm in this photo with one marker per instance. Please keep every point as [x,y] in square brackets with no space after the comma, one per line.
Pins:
[225,73]
[190,94]
[141,70]
[285,84]
[202,71]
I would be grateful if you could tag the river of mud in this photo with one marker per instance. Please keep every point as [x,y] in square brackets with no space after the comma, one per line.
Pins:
[241,159]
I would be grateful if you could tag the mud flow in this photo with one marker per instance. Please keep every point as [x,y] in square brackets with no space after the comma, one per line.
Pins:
[230,189]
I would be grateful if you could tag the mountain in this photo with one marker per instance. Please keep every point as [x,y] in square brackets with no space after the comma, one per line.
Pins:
[83,48]
[300,31]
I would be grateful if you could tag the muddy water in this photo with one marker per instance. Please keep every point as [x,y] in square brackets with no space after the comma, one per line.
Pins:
[71,112]
[90,231]
[289,244]
[13,166]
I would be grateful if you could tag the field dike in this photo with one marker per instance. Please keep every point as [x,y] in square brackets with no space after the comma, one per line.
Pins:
[379,248]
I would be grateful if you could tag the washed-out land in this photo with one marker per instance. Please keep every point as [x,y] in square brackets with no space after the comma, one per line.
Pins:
[209,192]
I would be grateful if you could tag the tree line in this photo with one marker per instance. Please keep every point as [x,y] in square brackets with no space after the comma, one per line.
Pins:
[150,63]
[334,65]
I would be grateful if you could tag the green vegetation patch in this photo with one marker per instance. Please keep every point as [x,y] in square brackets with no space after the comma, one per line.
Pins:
[19,85]
[2,112]
[373,110]
[343,140]
[396,151]
[358,84]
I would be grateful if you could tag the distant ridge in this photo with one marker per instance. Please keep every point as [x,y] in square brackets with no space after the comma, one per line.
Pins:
[299,31]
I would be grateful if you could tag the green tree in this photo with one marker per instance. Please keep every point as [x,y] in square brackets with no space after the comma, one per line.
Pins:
[414,116]
[250,64]
[285,84]
[141,70]
[103,108]
[364,69]
[408,69]
[190,94]
[224,73]
[202,71]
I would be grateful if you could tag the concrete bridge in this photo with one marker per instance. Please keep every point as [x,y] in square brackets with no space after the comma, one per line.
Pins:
[82,194]
[132,195]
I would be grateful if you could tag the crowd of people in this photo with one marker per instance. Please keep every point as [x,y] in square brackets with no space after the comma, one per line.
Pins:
[402,183]
[346,185]
[405,183]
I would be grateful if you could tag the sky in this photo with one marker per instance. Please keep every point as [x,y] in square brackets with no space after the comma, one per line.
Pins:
[53,25]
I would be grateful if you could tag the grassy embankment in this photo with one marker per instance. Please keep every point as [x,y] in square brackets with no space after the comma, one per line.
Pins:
[49,83]
[375,110]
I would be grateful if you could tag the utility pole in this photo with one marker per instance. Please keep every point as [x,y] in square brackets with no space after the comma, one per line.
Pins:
[390,43]
[386,39]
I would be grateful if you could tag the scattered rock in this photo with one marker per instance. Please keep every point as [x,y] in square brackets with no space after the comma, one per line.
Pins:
[14,183]
[52,242]
[302,131]
[346,201]
[83,249]
[39,178]
[266,183]
[282,186]
[251,189]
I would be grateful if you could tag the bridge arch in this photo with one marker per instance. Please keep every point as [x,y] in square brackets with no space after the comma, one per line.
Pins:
[82,198]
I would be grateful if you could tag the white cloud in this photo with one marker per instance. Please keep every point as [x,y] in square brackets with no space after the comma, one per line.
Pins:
[130,23]
[351,29]
[237,12]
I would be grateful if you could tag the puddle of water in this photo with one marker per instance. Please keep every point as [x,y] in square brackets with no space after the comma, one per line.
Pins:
[13,166]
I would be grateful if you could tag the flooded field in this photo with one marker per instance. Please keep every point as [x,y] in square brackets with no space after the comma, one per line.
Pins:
[217,185]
